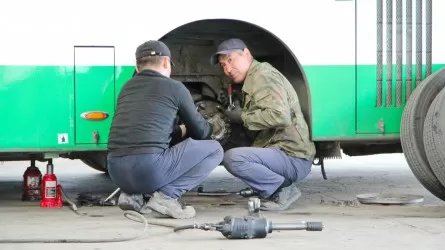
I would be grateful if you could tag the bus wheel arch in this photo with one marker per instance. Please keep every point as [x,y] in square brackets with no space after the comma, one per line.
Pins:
[193,43]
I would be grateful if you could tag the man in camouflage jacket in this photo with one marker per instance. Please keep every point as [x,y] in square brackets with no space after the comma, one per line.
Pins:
[282,152]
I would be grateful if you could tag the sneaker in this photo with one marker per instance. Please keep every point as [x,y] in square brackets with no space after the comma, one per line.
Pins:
[282,199]
[136,203]
[172,207]
[130,202]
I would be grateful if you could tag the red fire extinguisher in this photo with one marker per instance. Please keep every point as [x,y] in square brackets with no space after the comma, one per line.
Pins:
[51,193]
[32,183]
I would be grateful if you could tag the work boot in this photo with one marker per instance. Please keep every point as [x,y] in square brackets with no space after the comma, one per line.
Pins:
[282,199]
[136,203]
[172,207]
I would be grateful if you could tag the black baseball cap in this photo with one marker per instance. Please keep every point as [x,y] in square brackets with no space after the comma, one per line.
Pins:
[226,47]
[153,48]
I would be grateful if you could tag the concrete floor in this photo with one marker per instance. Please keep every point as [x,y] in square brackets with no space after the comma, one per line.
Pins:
[348,224]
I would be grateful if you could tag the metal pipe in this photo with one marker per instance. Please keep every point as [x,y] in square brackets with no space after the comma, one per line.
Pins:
[50,167]
[428,39]
[409,45]
[388,53]
[309,226]
[379,52]
[418,42]
[399,51]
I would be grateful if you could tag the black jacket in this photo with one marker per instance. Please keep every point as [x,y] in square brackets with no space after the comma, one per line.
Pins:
[145,115]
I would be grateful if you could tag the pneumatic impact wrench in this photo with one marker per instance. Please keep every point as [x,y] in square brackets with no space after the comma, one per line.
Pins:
[252,226]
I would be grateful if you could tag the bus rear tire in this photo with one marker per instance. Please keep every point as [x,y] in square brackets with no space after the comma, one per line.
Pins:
[411,132]
[434,137]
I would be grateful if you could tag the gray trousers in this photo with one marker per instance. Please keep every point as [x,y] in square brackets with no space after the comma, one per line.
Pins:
[175,171]
[264,169]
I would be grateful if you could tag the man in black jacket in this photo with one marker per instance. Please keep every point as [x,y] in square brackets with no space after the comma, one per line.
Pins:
[140,160]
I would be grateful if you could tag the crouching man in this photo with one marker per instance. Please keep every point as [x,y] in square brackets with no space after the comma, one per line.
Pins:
[282,152]
[140,159]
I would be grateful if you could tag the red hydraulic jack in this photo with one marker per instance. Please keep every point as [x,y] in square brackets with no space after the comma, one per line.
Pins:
[32,183]
[51,191]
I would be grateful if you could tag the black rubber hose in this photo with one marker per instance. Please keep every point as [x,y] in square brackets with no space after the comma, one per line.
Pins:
[127,214]
[141,218]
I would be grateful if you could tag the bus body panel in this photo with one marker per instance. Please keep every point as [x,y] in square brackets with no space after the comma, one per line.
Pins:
[43,90]
[41,35]
[383,115]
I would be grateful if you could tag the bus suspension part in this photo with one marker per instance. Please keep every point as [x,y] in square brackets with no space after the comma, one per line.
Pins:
[326,150]
[213,112]
[320,163]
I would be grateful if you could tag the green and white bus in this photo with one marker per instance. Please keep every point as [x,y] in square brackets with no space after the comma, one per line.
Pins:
[366,72]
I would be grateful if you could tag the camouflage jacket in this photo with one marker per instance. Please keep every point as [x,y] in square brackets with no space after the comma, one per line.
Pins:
[271,106]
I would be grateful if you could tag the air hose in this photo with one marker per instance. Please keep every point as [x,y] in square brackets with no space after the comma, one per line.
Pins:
[128,214]
[233,228]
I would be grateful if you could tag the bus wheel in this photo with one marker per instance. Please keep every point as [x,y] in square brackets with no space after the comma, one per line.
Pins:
[411,132]
[434,135]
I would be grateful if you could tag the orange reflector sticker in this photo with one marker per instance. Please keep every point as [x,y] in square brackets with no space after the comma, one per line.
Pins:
[94,115]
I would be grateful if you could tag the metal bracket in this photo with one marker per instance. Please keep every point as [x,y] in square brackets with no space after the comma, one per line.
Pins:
[321,164]
[253,207]
[96,137]
[50,155]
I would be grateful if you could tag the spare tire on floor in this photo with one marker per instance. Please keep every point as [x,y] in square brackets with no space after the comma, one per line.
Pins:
[434,135]
[411,132]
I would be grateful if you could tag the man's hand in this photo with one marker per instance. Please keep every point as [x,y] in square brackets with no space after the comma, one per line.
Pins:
[235,114]
[183,130]
[178,134]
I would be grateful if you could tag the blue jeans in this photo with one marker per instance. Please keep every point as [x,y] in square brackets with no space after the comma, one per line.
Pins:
[264,169]
[173,172]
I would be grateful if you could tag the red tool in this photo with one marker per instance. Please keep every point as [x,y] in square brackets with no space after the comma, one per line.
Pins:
[51,191]
[231,105]
[32,183]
